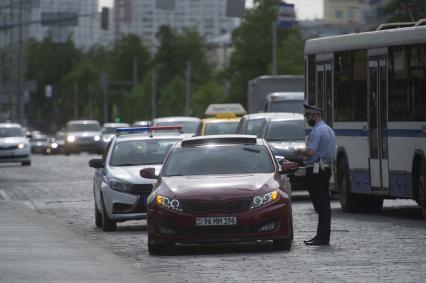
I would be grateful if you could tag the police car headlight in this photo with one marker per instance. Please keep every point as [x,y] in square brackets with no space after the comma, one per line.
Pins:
[120,186]
[21,145]
[166,202]
[264,199]
[54,145]
[106,139]
[71,138]
[97,138]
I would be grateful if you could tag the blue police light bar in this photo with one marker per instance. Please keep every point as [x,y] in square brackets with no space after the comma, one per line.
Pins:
[135,130]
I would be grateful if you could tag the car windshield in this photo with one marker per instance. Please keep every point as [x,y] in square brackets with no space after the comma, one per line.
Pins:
[11,132]
[39,139]
[140,152]
[83,127]
[221,159]
[293,130]
[110,130]
[295,106]
[221,128]
[187,126]
[253,126]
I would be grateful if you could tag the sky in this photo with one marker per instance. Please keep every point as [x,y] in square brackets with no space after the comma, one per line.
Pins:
[305,9]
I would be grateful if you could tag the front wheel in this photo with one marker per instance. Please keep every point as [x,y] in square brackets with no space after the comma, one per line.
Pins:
[348,201]
[108,225]
[98,218]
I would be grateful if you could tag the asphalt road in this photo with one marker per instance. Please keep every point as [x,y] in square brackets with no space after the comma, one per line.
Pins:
[389,247]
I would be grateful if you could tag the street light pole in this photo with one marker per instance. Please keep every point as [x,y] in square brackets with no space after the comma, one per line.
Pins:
[274,48]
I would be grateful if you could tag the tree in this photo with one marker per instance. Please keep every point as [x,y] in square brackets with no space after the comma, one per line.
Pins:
[253,49]
[210,92]
[405,10]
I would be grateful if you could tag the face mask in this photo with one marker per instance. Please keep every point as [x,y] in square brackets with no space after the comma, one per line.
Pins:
[311,122]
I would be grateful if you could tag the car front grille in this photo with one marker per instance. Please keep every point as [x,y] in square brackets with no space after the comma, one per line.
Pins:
[230,206]
[8,147]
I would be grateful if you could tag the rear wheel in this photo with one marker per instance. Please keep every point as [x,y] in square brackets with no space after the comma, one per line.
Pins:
[349,202]
[107,224]
[421,187]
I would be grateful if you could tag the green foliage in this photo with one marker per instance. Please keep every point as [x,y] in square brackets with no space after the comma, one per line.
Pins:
[210,92]
[405,10]
[253,49]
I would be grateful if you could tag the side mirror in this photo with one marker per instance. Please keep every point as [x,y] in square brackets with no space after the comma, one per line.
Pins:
[280,159]
[288,167]
[96,163]
[148,173]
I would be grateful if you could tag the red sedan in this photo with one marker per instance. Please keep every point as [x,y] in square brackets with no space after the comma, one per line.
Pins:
[219,189]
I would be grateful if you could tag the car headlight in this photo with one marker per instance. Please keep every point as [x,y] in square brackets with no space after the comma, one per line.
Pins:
[21,145]
[120,186]
[71,138]
[166,202]
[106,139]
[264,199]
[54,145]
[97,138]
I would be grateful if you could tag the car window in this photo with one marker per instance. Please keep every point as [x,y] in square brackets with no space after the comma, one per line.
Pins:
[140,152]
[212,160]
[83,127]
[295,106]
[11,132]
[109,130]
[293,130]
[187,126]
[221,128]
[253,126]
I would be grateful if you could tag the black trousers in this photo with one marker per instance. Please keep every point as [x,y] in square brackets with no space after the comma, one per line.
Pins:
[318,186]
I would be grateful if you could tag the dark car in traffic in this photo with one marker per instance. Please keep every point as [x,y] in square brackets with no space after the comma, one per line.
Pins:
[83,135]
[223,188]
[39,143]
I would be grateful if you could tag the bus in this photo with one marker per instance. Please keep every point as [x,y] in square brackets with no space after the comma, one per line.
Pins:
[372,87]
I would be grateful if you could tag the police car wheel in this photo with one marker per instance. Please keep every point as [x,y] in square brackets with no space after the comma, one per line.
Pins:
[108,225]
[98,218]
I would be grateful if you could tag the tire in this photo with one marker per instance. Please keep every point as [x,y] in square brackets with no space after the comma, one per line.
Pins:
[421,187]
[26,163]
[348,201]
[98,218]
[154,248]
[108,225]
[285,244]
[372,204]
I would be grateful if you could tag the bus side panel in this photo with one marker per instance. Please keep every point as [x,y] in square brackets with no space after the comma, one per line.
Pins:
[404,139]
[352,137]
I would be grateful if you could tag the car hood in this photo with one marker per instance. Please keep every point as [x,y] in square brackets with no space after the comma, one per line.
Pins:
[286,149]
[13,140]
[131,173]
[217,186]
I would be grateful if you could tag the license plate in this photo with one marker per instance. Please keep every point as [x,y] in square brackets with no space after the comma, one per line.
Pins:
[300,172]
[216,221]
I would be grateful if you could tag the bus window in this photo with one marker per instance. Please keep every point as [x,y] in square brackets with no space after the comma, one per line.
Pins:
[418,82]
[311,79]
[398,90]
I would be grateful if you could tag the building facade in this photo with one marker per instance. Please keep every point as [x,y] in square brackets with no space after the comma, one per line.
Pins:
[145,17]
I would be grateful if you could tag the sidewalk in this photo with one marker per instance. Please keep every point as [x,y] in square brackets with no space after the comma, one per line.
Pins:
[36,249]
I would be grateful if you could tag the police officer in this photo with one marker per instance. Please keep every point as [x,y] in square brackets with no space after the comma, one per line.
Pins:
[318,158]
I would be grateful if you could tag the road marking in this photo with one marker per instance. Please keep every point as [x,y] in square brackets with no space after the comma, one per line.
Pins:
[4,195]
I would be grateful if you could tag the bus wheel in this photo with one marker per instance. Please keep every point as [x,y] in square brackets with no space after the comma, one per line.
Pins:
[421,187]
[348,201]
[372,204]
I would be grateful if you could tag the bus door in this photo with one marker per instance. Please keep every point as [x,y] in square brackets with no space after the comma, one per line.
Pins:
[377,124]
[324,82]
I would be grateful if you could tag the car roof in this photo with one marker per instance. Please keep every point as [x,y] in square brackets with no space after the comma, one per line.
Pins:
[83,122]
[220,139]
[146,136]
[10,125]
[176,119]
[283,115]
[221,120]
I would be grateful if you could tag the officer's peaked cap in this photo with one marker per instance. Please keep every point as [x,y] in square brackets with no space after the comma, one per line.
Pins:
[311,109]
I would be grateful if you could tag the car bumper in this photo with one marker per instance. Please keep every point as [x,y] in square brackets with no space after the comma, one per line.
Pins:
[166,226]
[123,206]
[15,155]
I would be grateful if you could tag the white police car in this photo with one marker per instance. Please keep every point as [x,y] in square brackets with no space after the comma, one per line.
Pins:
[120,192]
[14,146]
